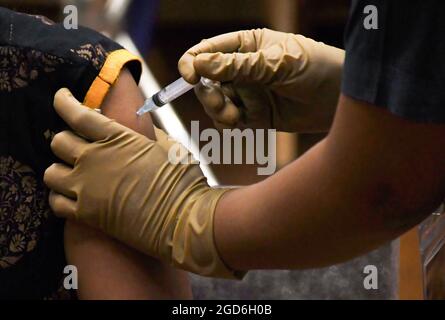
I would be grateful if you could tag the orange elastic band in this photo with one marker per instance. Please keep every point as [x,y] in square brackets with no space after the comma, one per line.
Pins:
[108,75]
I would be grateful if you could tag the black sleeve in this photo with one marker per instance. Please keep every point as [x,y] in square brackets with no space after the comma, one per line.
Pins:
[400,65]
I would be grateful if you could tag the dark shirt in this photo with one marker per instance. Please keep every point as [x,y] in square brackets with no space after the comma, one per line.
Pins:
[401,65]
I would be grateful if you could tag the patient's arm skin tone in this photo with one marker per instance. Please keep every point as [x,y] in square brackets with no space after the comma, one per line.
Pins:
[374,177]
[106,268]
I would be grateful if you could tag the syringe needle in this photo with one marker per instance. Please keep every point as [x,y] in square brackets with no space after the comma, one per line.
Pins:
[148,106]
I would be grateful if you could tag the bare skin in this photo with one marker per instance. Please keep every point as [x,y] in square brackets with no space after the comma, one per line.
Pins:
[108,269]
[374,177]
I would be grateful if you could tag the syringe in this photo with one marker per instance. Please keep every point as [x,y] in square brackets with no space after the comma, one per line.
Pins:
[170,93]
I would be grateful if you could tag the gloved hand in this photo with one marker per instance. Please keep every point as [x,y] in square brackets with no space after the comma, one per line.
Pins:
[123,183]
[273,79]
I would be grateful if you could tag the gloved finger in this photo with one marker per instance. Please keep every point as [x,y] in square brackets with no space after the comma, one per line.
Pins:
[212,98]
[229,115]
[57,178]
[160,134]
[62,206]
[221,126]
[228,42]
[168,144]
[217,105]
[83,120]
[243,68]
[68,146]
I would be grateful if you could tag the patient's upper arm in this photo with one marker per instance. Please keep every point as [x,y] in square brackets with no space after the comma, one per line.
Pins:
[122,102]
[117,271]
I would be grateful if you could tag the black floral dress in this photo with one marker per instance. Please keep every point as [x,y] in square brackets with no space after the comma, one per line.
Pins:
[37,58]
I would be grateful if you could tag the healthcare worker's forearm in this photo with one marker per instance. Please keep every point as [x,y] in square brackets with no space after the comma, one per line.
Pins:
[354,191]
[292,220]
[287,221]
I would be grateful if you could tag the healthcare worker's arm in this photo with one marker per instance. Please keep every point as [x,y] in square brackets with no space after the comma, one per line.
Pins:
[373,178]
[108,269]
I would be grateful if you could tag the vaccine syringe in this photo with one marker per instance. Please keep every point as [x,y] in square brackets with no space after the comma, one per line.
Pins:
[170,93]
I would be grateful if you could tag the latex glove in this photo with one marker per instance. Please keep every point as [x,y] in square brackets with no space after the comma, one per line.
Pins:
[273,79]
[123,183]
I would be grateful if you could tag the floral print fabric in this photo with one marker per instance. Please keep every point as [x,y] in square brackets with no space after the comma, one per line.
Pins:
[20,66]
[23,208]
[37,58]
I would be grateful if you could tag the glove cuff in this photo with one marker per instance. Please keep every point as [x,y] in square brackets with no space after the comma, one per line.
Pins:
[193,245]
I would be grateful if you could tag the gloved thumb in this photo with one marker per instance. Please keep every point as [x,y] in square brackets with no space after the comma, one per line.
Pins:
[237,67]
[84,121]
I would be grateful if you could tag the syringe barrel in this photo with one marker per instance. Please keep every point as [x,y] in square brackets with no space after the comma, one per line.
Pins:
[173,90]
[170,93]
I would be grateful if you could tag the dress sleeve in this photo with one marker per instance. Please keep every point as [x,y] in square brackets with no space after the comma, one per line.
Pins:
[83,60]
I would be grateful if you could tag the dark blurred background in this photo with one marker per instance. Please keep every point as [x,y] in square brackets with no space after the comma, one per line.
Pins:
[162,30]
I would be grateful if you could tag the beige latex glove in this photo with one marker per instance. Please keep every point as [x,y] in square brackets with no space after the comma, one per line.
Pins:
[272,79]
[123,183]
